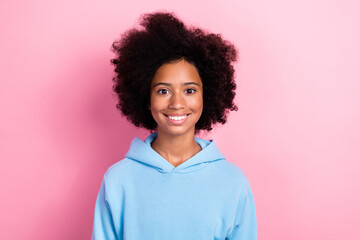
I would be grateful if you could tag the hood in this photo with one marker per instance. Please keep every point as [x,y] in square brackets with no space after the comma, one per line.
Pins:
[142,152]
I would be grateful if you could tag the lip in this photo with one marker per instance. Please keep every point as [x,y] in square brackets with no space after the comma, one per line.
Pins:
[177,122]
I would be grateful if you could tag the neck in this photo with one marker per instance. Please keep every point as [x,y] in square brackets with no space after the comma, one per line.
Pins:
[176,149]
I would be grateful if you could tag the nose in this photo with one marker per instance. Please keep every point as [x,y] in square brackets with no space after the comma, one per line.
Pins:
[177,101]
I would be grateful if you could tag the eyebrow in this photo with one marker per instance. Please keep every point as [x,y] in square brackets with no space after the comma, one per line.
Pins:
[169,84]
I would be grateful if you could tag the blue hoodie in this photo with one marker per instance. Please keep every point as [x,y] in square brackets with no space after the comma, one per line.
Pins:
[144,197]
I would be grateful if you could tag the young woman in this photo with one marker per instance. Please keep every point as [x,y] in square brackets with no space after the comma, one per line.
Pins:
[174,81]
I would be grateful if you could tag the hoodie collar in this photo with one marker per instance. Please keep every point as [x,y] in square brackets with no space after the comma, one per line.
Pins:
[142,152]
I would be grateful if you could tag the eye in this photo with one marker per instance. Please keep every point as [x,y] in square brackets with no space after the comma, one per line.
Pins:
[162,91]
[190,90]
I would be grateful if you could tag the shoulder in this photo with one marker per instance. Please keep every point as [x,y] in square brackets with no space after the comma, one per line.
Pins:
[119,171]
[232,173]
[118,167]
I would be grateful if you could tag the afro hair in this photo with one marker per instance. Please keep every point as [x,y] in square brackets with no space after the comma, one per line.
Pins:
[165,39]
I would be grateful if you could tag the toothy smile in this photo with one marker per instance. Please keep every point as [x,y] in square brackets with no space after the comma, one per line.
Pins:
[177,118]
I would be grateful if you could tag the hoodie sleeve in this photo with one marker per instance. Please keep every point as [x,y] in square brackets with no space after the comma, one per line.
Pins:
[245,226]
[103,228]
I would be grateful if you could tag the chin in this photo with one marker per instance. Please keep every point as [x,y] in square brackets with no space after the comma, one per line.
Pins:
[177,131]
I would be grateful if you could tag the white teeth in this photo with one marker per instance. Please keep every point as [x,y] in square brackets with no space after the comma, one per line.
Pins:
[177,118]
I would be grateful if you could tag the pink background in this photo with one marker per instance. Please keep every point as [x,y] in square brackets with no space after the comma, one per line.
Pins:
[296,134]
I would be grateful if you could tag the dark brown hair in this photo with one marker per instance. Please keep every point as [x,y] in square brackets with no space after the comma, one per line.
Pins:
[164,39]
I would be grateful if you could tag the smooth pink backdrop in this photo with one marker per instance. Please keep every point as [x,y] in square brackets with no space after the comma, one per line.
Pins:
[296,134]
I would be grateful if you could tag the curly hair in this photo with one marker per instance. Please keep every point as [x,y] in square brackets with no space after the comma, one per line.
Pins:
[165,39]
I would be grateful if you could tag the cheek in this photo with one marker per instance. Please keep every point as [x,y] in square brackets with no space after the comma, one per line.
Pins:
[156,104]
[197,103]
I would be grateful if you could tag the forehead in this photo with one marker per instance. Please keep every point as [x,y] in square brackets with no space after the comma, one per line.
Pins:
[177,72]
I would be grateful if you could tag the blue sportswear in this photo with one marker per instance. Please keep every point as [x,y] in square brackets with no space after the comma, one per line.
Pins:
[144,197]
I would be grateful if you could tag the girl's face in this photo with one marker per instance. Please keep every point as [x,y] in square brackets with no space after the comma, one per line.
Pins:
[176,98]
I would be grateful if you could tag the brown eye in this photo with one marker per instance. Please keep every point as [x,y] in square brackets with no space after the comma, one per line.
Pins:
[162,91]
[190,90]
